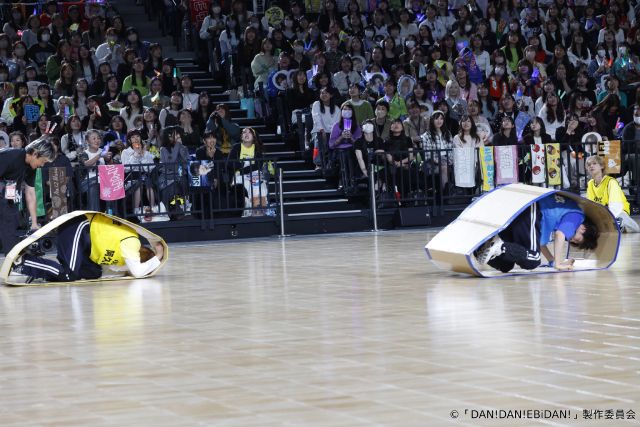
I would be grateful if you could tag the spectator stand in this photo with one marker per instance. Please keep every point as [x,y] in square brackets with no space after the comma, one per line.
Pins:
[315,201]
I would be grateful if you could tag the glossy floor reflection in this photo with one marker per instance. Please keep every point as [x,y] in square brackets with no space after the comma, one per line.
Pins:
[351,330]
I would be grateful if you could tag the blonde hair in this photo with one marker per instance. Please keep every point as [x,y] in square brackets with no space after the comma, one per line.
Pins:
[452,84]
[595,159]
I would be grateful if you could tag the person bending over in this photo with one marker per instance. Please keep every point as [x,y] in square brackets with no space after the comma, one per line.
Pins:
[88,243]
[554,218]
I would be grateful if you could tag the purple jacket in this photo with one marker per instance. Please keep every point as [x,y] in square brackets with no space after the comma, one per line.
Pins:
[344,144]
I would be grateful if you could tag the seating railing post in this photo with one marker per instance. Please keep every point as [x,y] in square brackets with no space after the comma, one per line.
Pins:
[281,203]
[372,195]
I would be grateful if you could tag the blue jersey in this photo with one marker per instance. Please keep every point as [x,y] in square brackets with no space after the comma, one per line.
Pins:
[559,213]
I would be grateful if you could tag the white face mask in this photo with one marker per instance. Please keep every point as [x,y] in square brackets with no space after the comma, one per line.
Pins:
[410,44]
[636,120]
[217,9]
[381,114]
[368,127]
[468,28]
[346,114]
[601,53]
[45,37]
[499,71]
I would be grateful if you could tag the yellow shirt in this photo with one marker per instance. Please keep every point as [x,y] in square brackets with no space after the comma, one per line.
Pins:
[112,241]
[247,152]
[607,192]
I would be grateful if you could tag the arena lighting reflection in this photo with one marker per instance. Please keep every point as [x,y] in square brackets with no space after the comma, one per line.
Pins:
[455,307]
[119,310]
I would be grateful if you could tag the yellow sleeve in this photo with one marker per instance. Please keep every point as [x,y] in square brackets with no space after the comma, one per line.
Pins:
[130,248]
[591,194]
[616,195]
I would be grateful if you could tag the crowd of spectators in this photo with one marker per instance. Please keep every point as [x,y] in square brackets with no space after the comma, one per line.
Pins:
[80,73]
[385,77]
[470,68]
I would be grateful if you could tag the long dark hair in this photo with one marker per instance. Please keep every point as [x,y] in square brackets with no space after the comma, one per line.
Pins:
[446,133]
[296,86]
[332,102]
[156,123]
[134,81]
[75,92]
[558,114]
[168,133]
[67,129]
[543,129]
[354,122]
[128,108]
[256,139]
[473,132]
[48,105]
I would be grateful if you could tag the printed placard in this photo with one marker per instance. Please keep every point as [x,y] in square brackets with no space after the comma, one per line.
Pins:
[554,167]
[488,168]
[199,173]
[506,159]
[32,113]
[58,190]
[199,10]
[464,166]
[111,182]
[538,169]
[611,151]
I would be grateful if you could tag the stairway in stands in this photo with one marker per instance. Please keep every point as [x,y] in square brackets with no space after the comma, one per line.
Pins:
[312,204]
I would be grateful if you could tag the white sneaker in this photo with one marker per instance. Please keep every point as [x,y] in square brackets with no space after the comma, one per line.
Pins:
[489,250]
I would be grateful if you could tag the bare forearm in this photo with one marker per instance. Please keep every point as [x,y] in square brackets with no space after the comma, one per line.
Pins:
[30,195]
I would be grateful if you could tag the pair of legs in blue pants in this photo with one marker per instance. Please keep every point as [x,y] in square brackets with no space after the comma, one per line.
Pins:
[74,247]
[521,242]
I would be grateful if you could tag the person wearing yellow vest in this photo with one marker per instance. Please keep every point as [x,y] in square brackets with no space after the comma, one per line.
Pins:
[605,190]
[245,160]
[88,243]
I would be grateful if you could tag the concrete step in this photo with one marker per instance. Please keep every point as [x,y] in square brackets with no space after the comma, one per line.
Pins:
[314,206]
[297,164]
[326,214]
[302,185]
[331,193]
[301,173]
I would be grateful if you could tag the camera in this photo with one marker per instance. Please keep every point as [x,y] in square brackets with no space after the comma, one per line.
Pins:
[42,246]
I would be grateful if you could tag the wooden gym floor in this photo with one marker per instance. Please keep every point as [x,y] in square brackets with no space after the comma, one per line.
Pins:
[349,330]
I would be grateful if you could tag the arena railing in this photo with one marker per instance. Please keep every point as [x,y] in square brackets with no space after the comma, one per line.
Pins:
[200,190]
[433,177]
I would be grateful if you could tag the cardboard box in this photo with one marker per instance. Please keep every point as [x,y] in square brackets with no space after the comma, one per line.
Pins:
[452,248]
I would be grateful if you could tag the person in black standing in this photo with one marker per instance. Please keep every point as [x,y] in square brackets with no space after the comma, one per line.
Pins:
[18,165]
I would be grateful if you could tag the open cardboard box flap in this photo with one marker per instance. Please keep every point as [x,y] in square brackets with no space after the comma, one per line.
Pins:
[453,247]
